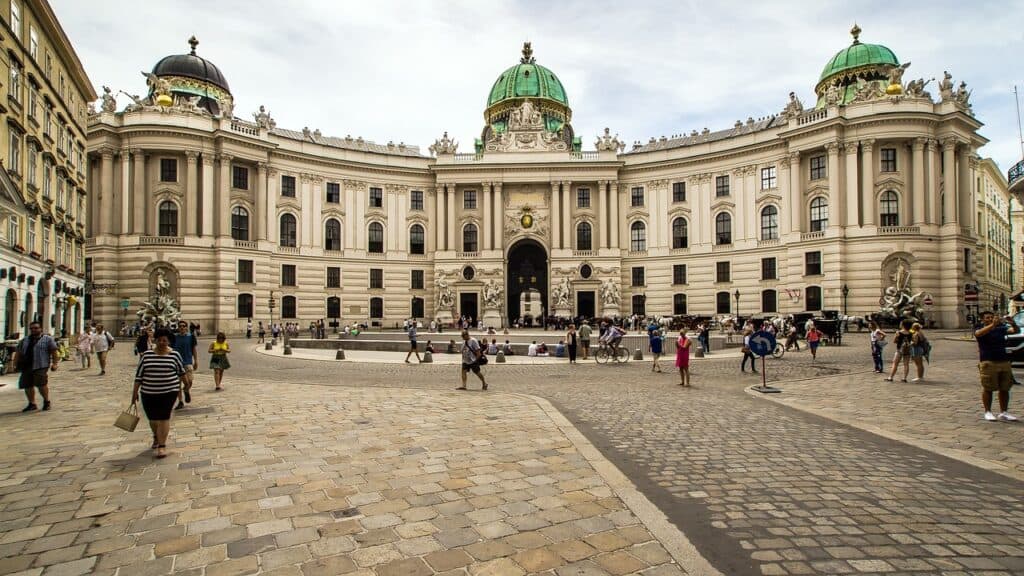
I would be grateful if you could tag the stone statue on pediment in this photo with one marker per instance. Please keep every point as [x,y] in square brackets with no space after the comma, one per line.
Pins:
[109,103]
[946,87]
[444,145]
[793,108]
[609,143]
[915,88]
[610,293]
[263,119]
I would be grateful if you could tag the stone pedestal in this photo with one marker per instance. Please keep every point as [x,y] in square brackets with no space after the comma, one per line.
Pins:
[492,318]
[444,317]
[563,311]
[610,310]
[500,358]
[428,358]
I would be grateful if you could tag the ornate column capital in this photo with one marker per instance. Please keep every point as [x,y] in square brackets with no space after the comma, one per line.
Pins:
[226,157]
[208,159]
[794,157]
[919,144]
[867,144]
[950,142]
[497,186]
[973,162]
[933,144]
[567,184]
[107,152]
[191,156]
[852,147]
[262,167]
[833,147]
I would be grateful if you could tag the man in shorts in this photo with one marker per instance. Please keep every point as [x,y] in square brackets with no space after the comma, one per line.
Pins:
[411,329]
[471,353]
[994,364]
[102,342]
[34,355]
[584,336]
[185,344]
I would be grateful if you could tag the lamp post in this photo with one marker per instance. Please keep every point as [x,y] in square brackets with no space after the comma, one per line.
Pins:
[737,295]
[846,292]
[271,304]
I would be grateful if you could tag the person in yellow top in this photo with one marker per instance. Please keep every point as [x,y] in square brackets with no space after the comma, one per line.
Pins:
[219,350]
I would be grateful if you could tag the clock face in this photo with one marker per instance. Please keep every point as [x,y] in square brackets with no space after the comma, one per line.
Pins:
[526,221]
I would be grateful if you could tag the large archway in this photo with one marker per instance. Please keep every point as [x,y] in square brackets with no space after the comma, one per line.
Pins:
[527,270]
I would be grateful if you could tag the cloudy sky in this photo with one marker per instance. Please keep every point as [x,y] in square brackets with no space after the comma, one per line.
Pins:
[407,71]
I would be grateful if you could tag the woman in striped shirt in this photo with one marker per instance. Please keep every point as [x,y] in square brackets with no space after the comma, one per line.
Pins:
[158,378]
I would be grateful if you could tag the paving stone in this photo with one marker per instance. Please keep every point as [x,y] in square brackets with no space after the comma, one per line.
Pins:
[251,546]
[331,565]
[236,567]
[404,567]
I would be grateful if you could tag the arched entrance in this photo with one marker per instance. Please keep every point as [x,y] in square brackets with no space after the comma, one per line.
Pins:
[527,273]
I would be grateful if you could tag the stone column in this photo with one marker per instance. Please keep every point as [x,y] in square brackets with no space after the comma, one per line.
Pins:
[602,213]
[556,209]
[400,223]
[918,184]
[106,195]
[152,168]
[439,226]
[707,221]
[139,207]
[191,189]
[499,218]
[261,216]
[315,216]
[835,210]
[307,219]
[868,189]
[223,207]
[796,194]
[654,212]
[206,214]
[271,215]
[614,224]
[450,216]
[934,163]
[949,191]
[697,217]
[126,193]
[485,191]
[852,185]
[785,212]
[360,216]
[567,197]
[964,183]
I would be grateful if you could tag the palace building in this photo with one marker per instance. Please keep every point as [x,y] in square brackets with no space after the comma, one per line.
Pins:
[814,208]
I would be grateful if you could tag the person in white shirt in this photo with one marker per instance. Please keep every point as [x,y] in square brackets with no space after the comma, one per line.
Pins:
[102,342]
[532,350]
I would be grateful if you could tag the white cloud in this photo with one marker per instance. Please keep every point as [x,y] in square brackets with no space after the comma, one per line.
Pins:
[406,71]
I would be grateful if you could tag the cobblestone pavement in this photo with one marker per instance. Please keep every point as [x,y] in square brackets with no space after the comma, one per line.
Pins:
[758,487]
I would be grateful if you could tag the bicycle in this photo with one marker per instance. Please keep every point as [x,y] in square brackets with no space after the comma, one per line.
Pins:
[604,354]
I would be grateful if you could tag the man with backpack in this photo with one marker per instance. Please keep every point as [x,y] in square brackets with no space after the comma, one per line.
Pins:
[34,355]
[102,342]
[472,358]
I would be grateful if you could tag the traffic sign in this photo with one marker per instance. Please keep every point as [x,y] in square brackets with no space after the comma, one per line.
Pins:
[762,343]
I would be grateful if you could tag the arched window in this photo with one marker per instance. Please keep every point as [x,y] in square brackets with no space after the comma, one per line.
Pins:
[680,233]
[239,223]
[639,305]
[288,307]
[469,238]
[584,236]
[638,237]
[723,228]
[769,301]
[168,218]
[679,304]
[417,245]
[770,223]
[376,307]
[722,303]
[812,296]
[332,234]
[288,230]
[819,214]
[376,239]
[245,305]
[889,208]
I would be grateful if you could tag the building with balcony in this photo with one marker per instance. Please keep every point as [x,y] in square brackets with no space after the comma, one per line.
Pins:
[43,182]
[805,210]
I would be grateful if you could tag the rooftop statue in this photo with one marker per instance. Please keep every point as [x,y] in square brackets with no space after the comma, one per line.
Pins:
[946,87]
[263,119]
[109,103]
[444,145]
[794,107]
[915,88]
[609,142]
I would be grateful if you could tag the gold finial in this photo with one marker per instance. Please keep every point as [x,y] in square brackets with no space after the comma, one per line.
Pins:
[855,31]
[527,54]
[193,43]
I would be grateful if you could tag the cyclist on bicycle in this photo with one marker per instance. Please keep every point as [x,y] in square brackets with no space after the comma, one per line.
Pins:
[612,337]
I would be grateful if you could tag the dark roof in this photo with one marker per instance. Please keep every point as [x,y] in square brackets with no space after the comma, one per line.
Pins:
[700,138]
[191,66]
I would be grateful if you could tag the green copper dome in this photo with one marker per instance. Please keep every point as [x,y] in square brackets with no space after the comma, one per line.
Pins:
[858,55]
[527,80]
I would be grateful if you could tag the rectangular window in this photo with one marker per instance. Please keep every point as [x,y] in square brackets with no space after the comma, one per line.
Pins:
[14,157]
[31,170]
[679,304]
[812,264]
[679,273]
[722,272]
[14,230]
[168,169]
[333,193]
[721,186]
[888,156]
[636,197]
[638,276]
[769,269]
[967,260]
[287,274]
[416,200]
[14,89]
[245,272]
[818,167]
[30,234]
[583,197]
[16,18]
[33,43]
[769,301]
[240,177]
[376,278]
[469,199]
[416,280]
[376,198]
[768,180]
[33,102]
[679,191]
[288,186]
[333,277]
[46,242]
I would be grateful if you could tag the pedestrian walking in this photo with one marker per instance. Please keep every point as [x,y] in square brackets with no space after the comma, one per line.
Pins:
[877,347]
[471,355]
[142,343]
[187,346]
[219,350]
[994,364]
[793,338]
[747,354]
[571,341]
[102,342]
[85,348]
[412,343]
[248,329]
[814,340]
[655,340]
[584,339]
[704,337]
[903,342]
[918,345]
[158,378]
[683,358]
[262,333]
[35,354]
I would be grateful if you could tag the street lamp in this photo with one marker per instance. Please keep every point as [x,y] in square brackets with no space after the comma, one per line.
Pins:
[272,303]
[846,292]
[737,295]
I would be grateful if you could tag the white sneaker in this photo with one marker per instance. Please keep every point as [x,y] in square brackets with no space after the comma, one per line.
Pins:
[990,417]
[1007,417]
[916,380]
